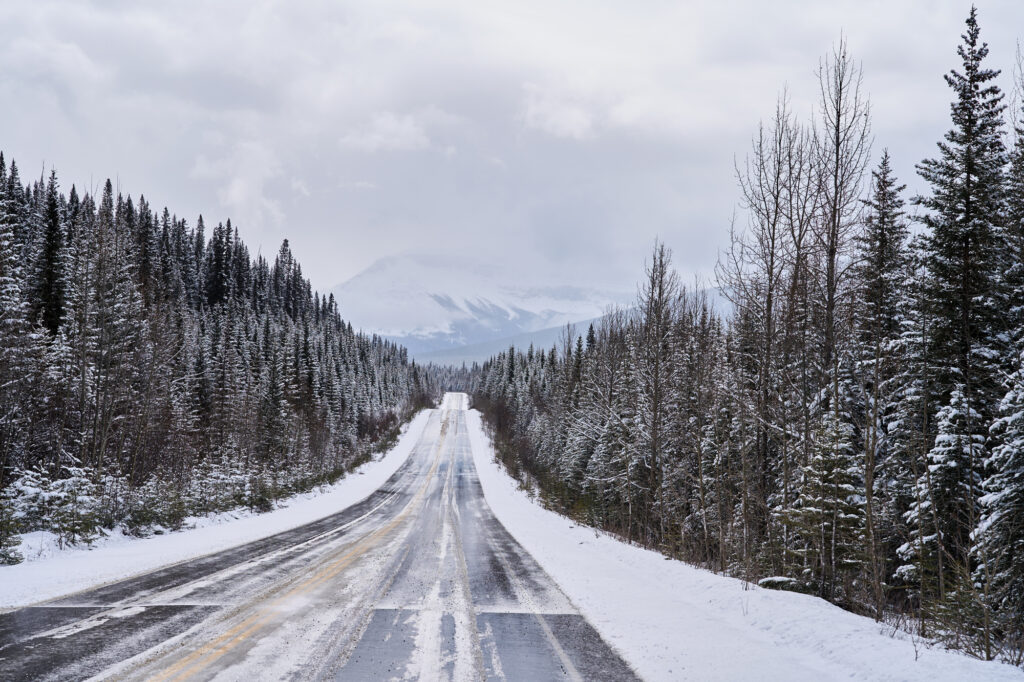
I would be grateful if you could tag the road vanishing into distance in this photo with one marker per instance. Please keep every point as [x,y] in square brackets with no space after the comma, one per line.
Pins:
[418,581]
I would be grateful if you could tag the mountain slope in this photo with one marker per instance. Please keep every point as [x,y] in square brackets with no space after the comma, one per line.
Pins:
[432,303]
[541,339]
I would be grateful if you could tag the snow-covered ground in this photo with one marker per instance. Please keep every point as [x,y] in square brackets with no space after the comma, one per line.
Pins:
[48,572]
[672,621]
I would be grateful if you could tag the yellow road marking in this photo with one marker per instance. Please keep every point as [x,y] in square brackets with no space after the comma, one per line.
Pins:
[201,651]
[214,650]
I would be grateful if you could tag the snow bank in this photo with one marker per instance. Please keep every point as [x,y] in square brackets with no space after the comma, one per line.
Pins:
[672,621]
[48,573]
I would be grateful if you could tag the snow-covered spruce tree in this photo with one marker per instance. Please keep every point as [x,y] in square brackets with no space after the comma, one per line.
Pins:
[608,476]
[48,278]
[828,515]
[909,437]
[693,445]
[732,438]
[605,386]
[1013,251]
[9,527]
[13,330]
[74,506]
[800,380]
[881,272]
[14,362]
[659,300]
[963,213]
[1000,534]
[999,537]
[18,212]
[582,430]
[951,500]
[121,343]
[741,436]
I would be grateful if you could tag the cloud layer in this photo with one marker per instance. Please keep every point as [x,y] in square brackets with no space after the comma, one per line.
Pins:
[560,138]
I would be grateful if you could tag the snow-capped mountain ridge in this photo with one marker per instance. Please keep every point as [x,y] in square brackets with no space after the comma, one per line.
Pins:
[431,302]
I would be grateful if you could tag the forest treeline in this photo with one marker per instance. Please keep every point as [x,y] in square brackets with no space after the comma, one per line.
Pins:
[150,371]
[850,423]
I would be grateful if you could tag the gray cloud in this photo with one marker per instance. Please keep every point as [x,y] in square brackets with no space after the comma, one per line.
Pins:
[561,137]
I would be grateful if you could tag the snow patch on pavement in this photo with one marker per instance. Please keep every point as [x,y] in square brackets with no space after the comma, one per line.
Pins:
[671,621]
[48,572]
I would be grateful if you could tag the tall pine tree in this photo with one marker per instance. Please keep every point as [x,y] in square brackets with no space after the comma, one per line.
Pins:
[964,215]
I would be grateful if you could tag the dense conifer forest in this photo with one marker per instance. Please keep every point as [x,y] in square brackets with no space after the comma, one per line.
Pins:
[850,423]
[152,369]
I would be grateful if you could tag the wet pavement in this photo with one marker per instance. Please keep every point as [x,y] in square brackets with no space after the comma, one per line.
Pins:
[418,581]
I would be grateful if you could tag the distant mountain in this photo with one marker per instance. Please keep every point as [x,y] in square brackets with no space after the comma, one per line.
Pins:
[435,304]
[542,339]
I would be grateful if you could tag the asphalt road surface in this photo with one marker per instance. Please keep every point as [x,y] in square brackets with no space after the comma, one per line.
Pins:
[418,581]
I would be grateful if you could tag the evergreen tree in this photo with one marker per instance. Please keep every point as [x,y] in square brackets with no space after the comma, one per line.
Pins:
[964,215]
[949,493]
[49,277]
[881,274]
[829,514]
[1000,534]
[1013,254]
[14,345]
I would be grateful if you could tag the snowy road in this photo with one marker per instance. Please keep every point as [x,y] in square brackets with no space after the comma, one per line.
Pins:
[418,581]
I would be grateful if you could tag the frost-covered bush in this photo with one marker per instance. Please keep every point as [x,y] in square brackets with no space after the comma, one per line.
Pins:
[67,504]
[9,539]
[74,507]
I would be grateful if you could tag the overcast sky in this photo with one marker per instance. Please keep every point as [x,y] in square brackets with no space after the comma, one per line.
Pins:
[561,137]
